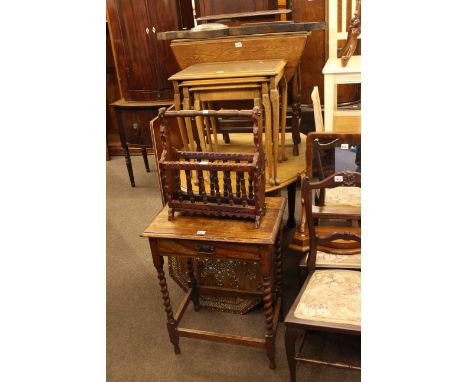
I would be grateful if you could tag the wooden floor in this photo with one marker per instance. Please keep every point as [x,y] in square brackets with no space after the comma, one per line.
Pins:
[243,143]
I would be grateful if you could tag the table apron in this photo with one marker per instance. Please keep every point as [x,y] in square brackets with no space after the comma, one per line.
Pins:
[201,248]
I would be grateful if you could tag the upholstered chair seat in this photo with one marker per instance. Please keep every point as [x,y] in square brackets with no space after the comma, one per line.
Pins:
[331,260]
[331,297]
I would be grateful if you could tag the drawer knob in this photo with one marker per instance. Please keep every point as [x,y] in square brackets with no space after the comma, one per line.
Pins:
[135,127]
[205,249]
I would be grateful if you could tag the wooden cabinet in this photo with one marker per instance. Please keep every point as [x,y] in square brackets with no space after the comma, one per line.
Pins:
[315,52]
[112,95]
[143,62]
[216,7]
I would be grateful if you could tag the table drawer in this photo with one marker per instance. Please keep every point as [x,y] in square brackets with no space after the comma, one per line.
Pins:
[196,248]
[134,123]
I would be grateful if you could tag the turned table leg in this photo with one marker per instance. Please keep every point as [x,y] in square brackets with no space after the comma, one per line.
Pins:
[296,112]
[145,159]
[193,285]
[279,268]
[158,262]
[265,270]
[128,162]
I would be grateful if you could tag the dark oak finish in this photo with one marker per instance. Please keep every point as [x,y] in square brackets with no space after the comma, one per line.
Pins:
[216,7]
[217,289]
[143,62]
[244,15]
[354,30]
[181,238]
[174,163]
[316,51]
[298,327]
[132,120]
[112,95]
[244,30]
[320,162]
[332,240]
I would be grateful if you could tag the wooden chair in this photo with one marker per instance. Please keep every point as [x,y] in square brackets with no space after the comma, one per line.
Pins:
[332,203]
[330,299]
[334,72]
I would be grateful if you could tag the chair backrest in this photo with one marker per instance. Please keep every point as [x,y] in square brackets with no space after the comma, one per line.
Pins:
[320,155]
[340,13]
[344,236]
[319,145]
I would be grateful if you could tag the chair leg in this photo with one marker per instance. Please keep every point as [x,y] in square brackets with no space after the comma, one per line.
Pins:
[290,337]
[329,100]
[145,159]
[291,204]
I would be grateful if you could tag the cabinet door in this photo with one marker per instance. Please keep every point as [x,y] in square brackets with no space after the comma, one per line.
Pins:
[131,31]
[166,15]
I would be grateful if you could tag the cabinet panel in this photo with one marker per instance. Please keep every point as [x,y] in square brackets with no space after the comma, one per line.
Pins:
[165,17]
[216,7]
[112,95]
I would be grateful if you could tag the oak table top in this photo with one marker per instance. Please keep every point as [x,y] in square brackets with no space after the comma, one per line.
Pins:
[219,229]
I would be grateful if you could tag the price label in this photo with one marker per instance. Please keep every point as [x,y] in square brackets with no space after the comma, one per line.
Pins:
[338,178]
[344,146]
[204,162]
[201,233]
[238,44]
[205,111]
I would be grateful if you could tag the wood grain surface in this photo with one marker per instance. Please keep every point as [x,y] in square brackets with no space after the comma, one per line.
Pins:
[285,46]
[223,230]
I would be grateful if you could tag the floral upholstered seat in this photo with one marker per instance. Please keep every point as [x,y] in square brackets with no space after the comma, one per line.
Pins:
[349,196]
[332,296]
[331,260]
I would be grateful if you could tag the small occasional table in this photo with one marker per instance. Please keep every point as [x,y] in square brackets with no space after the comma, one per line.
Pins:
[203,237]
[132,119]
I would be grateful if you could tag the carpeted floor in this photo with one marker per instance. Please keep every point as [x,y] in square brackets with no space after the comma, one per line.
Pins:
[138,348]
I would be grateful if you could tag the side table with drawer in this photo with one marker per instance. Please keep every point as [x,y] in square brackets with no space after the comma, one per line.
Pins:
[191,237]
[132,119]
